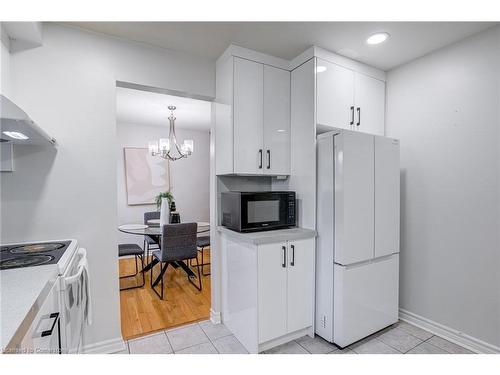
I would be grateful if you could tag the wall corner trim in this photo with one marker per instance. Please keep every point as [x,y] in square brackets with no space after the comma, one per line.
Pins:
[105,347]
[450,334]
[215,317]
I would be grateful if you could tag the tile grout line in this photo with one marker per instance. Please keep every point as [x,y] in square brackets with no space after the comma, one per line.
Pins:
[303,347]
[169,343]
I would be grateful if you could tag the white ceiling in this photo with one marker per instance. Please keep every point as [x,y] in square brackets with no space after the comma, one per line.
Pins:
[148,108]
[408,41]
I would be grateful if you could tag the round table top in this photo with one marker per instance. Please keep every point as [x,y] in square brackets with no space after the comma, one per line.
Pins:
[155,230]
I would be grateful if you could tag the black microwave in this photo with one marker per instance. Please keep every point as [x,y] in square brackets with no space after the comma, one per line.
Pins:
[256,211]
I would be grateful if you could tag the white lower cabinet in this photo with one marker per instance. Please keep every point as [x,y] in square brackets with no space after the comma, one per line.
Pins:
[285,288]
[44,334]
[268,291]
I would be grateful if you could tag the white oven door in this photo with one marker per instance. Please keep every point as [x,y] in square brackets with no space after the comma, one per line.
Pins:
[73,304]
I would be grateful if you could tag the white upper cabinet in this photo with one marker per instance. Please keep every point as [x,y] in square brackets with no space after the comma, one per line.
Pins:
[276,121]
[348,99]
[248,109]
[369,94]
[255,139]
[335,95]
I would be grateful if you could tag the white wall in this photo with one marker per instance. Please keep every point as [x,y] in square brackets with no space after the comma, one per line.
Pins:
[189,178]
[444,108]
[68,87]
[4,67]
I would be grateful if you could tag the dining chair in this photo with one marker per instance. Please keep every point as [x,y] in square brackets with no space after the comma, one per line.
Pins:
[129,249]
[201,243]
[149,242]
[178,244]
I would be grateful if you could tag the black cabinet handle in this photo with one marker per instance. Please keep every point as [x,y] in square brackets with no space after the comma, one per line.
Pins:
[359,116]
[292,263]
[48,332]
[260,153]
[352,116]
[284,256]
[268,159]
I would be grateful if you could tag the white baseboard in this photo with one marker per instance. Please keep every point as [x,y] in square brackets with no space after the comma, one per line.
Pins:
[215,317]
[105,347]
[450,334]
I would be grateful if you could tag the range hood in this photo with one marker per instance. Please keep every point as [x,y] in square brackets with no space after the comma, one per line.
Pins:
[18,128]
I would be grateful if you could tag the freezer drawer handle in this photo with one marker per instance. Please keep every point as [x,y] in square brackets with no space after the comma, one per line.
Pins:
[292,263]
[284,256]
[48,332]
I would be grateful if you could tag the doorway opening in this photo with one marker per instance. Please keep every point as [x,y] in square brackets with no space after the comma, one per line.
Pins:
[142,117]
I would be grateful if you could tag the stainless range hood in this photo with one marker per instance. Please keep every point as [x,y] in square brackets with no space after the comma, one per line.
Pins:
[18,128]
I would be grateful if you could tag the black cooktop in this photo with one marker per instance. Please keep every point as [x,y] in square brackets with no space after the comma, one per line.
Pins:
[31,254]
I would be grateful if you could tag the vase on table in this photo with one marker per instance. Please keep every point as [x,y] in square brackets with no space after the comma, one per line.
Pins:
[164,212]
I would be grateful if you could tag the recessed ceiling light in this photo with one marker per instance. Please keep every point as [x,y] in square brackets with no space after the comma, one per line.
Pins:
[377,38]
[16,135]
[320,69]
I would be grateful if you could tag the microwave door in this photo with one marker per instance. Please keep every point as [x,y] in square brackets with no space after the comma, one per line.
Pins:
[261,211]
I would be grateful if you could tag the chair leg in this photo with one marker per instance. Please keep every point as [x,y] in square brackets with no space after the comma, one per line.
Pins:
[142,270]
[199,276]
[136,272]
[132,274]
[163,268]
[203,264]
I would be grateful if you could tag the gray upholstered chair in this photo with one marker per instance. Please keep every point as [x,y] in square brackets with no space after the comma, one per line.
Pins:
[132,249]
[178,244]
[150,243]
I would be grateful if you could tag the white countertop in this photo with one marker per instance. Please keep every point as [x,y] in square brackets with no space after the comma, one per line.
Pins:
[22,291]
[269,236]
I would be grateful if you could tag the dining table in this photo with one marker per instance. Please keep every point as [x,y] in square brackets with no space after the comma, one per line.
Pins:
[153,230]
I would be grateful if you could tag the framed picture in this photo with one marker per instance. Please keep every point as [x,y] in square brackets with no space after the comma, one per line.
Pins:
[145,175]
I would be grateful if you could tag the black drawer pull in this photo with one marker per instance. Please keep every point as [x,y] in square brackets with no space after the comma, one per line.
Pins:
[48,332]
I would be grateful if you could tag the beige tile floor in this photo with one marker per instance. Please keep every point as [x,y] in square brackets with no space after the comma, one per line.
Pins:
[208,338]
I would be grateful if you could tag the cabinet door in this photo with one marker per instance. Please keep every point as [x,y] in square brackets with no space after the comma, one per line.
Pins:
[272,276]
[334,95]
[300,288]
[276,121]
[248,116]
[354,197]
[386,196]
[369,94]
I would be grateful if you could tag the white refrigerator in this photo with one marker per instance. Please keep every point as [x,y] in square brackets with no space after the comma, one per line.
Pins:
[357,259]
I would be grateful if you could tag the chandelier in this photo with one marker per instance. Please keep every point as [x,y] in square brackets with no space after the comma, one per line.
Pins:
[168,148]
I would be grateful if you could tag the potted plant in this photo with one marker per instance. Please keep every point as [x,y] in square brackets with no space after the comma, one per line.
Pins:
[167,195]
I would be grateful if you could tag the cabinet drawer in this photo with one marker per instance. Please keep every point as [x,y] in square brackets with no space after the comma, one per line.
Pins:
[43,336]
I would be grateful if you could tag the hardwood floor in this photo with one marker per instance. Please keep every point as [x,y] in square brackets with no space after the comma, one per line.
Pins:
[143,312]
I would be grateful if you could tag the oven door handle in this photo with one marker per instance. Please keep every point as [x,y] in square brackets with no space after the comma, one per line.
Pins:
[71,279]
